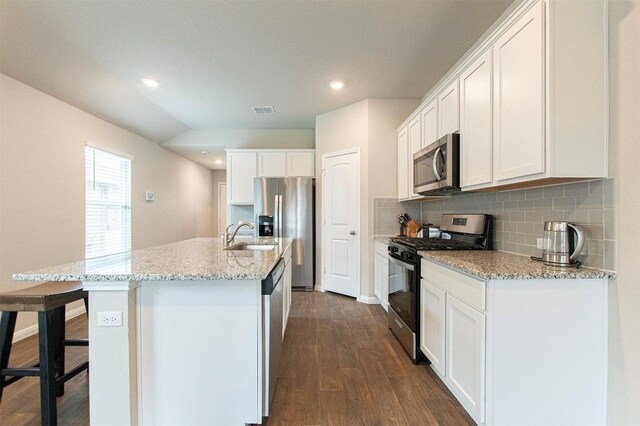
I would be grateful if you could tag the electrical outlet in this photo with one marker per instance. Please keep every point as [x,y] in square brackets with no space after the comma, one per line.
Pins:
[149,196]
[539,243]
[109,319]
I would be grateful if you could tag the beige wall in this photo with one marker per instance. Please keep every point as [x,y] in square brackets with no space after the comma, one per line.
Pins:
[385,115]
[42,184]
[370,126]
[624,294]
[339,130]
[246,138]
[193,142]
[217,176]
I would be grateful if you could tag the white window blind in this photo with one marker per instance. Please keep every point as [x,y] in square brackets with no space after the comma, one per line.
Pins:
[108,203]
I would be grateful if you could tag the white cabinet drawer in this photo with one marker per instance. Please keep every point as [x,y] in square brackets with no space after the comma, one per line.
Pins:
[382,248]
[465,288]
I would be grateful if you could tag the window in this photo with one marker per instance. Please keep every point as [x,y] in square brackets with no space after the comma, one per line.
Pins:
[108,203]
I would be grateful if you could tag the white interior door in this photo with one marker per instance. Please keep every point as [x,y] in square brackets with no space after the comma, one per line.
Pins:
[341,209]
[222,206]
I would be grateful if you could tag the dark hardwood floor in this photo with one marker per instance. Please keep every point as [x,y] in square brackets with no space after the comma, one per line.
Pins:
[341,366]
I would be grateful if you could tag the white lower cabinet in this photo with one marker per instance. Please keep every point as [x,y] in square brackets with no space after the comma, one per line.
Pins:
[465,348]
[377,276]
[381,274]
[432,325]
[517,351]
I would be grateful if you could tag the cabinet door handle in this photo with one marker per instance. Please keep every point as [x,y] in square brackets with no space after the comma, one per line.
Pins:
[352,232]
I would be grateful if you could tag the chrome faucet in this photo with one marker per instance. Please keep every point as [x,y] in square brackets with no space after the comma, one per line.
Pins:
[228,240]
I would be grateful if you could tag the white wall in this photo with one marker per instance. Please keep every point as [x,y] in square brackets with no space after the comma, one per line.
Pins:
[624,294]
[369,125]
[42,184]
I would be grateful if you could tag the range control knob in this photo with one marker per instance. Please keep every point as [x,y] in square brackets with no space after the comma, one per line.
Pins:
[393,249]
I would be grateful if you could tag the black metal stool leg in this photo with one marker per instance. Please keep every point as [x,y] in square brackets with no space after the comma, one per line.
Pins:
[48,387]
[59,333]
[7,328]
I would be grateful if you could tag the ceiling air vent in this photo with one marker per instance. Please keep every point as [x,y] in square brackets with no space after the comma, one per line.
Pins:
[264,109]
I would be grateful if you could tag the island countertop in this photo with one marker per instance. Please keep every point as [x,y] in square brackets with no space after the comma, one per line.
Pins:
[188,260]
[497,265]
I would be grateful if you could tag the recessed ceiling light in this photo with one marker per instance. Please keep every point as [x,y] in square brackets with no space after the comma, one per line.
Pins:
[336,84]
[218,161]
[205,153]
[150,82]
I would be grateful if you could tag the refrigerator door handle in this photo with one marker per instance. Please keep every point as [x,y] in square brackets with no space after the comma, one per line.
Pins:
[280,216]
[276,224]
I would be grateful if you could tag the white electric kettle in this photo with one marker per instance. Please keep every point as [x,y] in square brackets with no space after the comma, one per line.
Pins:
[559,246]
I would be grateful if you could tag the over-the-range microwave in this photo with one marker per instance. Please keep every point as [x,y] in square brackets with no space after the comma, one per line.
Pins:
[436,168]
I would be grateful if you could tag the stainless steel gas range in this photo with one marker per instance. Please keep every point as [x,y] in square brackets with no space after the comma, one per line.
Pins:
[459,232]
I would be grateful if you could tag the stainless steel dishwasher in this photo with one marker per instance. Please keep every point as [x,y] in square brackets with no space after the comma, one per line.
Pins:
[272,332]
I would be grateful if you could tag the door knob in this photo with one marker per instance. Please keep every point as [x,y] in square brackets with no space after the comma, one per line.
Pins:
[353,232]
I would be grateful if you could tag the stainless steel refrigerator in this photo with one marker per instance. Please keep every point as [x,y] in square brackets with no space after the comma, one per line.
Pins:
[285,207]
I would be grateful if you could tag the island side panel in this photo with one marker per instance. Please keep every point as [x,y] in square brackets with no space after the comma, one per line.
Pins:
[113,383]
[546,347]
[200,352]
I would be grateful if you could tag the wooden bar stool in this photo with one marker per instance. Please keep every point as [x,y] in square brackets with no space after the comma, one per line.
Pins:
[49,301]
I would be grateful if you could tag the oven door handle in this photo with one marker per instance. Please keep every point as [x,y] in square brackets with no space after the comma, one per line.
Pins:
[402,264]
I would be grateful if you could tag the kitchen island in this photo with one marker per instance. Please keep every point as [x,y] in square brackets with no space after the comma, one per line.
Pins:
[176,331]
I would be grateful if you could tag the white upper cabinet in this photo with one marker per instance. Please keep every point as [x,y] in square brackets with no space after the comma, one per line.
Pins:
[283,163]
[403,164]
[513,98]
[475,123]
[415,143]
[519,98]
[241,169]
[449,110]
[301,163]
[245,164]
[272,164]
[430,124]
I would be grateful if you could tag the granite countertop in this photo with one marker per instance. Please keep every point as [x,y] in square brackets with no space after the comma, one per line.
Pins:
[497,265]
[382,238]
[195,259]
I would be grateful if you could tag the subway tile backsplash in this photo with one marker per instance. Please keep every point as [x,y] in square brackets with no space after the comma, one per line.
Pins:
[519,216]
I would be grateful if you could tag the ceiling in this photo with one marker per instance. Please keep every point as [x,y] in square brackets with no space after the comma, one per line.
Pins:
[216,59]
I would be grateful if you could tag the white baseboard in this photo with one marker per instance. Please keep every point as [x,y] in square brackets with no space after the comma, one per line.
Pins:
[369,300]
[33,329]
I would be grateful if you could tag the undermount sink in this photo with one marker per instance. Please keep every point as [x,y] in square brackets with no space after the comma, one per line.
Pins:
[252,246]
